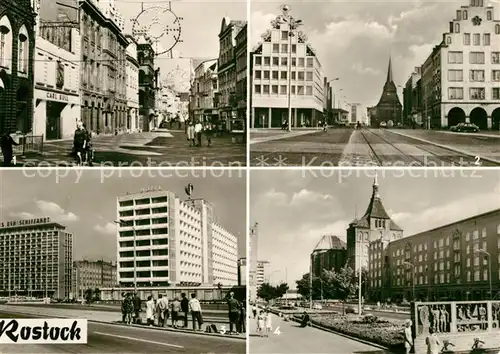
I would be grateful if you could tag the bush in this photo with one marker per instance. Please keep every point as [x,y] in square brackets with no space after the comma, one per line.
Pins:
[386,333]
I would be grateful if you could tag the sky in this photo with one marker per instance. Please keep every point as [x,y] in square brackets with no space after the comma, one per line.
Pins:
[354,39]
[295,209]
[86,203]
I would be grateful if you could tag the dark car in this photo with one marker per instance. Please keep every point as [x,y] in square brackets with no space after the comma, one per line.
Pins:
[350,309]
[465,127]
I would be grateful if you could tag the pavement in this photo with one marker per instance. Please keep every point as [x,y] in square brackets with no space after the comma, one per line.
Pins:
[288,337]
[109,338]
[378,147]
[147,149]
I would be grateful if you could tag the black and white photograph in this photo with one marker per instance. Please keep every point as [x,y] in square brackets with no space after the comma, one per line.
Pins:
[123,83]
[154,260]
[365,83]
[367,261]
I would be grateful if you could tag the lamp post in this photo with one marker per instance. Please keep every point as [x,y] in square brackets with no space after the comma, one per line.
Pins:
[488,255]
[293,24]
[121,222]
[412,277]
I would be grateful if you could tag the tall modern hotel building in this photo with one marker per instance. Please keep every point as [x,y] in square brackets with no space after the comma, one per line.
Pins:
[165,241]
[36,259]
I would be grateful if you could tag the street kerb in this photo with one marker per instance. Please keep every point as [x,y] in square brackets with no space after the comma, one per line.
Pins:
[463,152]
[166,329]
[295,319]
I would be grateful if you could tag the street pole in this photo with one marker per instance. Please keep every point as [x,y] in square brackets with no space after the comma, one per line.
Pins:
[290,35]
[311,281]
[359,290]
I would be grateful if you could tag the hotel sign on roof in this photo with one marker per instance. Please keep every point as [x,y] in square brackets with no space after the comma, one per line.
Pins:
[25,222]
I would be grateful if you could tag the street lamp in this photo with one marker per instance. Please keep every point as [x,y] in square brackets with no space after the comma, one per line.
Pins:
[488,255]
[121,222]
[412,277]
[293,24]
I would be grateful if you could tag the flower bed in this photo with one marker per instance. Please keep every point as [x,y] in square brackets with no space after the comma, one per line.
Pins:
[386,333]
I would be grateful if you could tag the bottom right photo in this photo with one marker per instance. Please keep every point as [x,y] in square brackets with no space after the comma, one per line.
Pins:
[374,261]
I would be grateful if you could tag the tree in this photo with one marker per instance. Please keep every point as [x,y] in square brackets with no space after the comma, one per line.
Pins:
[343,281]
[281,290]
[266,292]
[303,287]
[88,296]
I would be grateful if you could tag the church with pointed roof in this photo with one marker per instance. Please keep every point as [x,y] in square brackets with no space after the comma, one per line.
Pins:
[388,108]
[375,224]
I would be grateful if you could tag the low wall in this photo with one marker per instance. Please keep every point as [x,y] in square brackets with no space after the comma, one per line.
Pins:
[459,325]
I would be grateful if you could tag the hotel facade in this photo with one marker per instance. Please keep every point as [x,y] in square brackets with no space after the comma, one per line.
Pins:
[283,53]
[461,77]
[172,242]
[36,259]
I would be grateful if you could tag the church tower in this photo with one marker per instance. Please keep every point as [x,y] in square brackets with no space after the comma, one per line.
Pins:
[388,108]
[374,225]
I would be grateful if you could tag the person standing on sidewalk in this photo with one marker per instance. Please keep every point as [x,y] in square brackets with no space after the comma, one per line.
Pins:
[195,307]
[198,130]
[7,144]
[185,309]
[162,310]
[150,311]
[137,308]
[176,308]
[408,336]
[208,133]
[234,312]
[243,319]
[190,134]
[254,310]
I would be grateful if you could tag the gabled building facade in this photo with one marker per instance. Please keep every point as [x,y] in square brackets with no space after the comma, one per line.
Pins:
[17,51]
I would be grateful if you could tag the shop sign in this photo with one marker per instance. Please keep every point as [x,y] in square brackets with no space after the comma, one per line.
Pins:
[52,96]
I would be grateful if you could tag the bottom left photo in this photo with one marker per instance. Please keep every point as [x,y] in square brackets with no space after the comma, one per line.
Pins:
[122,261]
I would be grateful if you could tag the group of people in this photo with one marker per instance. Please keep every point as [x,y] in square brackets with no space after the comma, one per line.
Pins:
[158,311]
[264,321]
[195,132]
[82,144]
[432,340]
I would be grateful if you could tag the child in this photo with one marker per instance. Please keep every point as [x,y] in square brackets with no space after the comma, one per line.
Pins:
[261,323]
[269,325]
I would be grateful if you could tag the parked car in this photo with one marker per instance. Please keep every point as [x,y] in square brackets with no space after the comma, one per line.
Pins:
[350,309]
[465,127]
[317,307]
[383,125]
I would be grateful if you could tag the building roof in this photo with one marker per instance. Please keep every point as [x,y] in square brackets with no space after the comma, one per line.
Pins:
[330,242]
[390,92]
[375,210]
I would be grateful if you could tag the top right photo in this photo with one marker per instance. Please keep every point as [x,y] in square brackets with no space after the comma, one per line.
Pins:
[409,84]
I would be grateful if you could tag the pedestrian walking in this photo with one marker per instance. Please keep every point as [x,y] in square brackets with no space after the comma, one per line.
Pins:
[124,308]
[269,322]
[129,308]
[243,319]
[234,312]
[433,342]
[254,311]
[208,133]
[198,130]
[408,336]
[184,309]
[190,134]
[162,310]
[7,144]
[150,311]
[176,308]
[137,307]
[79,140]
[261,323]
[195,308]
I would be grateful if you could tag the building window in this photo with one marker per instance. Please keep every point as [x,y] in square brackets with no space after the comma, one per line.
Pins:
[495,75]
[487,39]
[495,57]
[294,47]
[284,48]
[477,93]
[465,15]
[257,89]
[300,90]
[276,48]
[275,75]
[466,38]
[258,75]
[258,60]
[476,275]
[22,60]
[309,90]
[310,62]
[457,28]
[294,62]
[456,93]
[309,76]
[284,61]
[459,15]
[267,61]
[274,89]
[477,75]
[276,61]
[477,39]
[495,93]
[284,35]
[266,89]
[5,47]
[301,75]
[283,75]
[301,62]
[476,57]
[489,17]
[497,29]
[483,232]
[294,75]
[266,74]
[448,40]
[283,89]
[455,57]
[455,75]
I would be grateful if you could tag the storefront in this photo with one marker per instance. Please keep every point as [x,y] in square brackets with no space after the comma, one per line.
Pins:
[56,114]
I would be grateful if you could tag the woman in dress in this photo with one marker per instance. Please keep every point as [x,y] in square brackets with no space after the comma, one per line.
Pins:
[261,323]
[150,311]
[269,324]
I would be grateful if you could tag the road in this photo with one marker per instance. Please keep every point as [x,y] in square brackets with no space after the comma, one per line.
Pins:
[107,338]
[293,339]
[378,147]
[162,149]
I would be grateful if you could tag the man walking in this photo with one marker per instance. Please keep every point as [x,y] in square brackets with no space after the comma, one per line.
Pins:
[185,308]
[198,129]
[234,312]
[195,307]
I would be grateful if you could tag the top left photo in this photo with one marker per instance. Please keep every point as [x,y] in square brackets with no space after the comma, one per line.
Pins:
[123,83]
